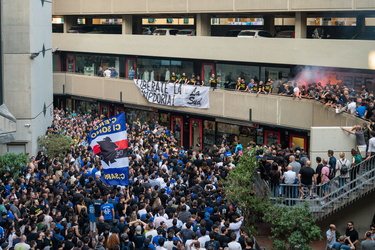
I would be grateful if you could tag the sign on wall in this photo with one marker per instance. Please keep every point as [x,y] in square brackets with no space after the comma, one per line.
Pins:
[174,94]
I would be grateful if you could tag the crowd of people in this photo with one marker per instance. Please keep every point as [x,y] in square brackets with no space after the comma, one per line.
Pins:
[173,200]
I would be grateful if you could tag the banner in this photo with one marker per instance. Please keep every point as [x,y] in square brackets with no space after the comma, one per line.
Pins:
[174,94]
[108,140]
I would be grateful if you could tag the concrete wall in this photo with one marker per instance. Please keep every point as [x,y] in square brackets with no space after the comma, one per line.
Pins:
[334,138]
[325,53]
[62,7]
[28,82]
[277,110]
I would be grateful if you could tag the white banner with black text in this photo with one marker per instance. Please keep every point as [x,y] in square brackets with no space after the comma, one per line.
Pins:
[174,94]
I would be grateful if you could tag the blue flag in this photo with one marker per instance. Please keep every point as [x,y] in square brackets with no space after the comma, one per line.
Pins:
[108,140]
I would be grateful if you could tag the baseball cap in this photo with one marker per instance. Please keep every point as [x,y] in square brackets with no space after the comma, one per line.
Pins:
[138,229]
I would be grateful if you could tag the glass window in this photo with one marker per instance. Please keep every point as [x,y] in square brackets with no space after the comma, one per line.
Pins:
[208,133]
[160,70]
[89,64]
[228,73]
[275,74]
[227,129]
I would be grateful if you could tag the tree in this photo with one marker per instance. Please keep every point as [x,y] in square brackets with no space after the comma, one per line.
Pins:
[14,163]
[292,227]
[55,144]
[240,188]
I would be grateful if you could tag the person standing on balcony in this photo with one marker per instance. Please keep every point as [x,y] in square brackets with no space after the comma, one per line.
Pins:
[107,73]
[213,82]
[131,73]
[114,73]
[360,138]
[100,72]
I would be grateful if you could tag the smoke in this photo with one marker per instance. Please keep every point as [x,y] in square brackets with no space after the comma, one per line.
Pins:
[308,75]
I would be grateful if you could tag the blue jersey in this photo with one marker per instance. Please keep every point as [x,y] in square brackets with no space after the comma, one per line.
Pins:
[107,211]
[91,213]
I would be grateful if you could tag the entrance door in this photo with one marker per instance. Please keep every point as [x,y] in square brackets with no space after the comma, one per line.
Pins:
[177,125]
[105,110]
[119,110]
[297,140]
[271,137]
[196,132]
[131,68]
[207,70]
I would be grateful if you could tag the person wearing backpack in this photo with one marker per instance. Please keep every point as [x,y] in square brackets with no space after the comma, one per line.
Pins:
[342,169]
[212,242]
[340,245]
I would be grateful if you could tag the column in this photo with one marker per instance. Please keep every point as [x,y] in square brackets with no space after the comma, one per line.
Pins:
[269,24]
[88,20]
[127,24]
[69,21]
[137,24]
[203,24]
[360,23]
[300,25]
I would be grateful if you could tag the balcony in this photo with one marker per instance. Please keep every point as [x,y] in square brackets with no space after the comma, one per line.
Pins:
[69,7]
[229,105]
[351,54]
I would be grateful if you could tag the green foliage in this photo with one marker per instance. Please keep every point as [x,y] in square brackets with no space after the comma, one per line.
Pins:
[292,227]
[239,189]
[13,162]
[55,144]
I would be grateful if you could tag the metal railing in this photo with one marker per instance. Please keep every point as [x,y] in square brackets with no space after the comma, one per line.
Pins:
[328,198]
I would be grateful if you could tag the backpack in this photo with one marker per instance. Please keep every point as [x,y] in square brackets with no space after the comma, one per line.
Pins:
[344,169]
[125,245]
[211,243]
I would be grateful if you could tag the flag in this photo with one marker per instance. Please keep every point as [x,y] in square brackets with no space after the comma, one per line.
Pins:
[108,140]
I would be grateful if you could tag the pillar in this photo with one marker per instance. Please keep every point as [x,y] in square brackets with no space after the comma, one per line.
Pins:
[127,24]
[203,24]
[269,24]
[300,25]
[137,24]
[360,23]
[69,21]
[88,20]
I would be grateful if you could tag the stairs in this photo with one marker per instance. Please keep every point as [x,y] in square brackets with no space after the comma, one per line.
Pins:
[361,183]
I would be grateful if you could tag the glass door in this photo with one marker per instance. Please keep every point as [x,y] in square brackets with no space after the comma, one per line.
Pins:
[131,68]
[196,132]
[271,137]
[177,124]
[105,110]
[207,70]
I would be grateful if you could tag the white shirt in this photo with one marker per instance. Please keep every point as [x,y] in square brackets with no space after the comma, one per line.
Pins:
[234,246]
[153,233]
[352,108]
[202,240]
[107,73]
[289,177]
[341,162]
[371,145]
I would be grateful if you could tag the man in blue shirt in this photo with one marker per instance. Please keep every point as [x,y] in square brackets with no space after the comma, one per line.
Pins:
[107,211]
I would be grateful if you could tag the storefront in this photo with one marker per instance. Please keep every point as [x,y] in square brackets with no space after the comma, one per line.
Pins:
[194,130]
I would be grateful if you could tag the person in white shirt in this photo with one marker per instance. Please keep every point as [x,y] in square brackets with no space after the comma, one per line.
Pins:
[107,73]
[204,238]
[151,231]
[234,245]
[191,241]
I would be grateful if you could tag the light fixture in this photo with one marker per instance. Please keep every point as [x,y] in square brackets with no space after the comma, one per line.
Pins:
[34,55]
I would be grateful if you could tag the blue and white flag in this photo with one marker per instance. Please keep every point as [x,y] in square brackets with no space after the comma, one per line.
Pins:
[108,140]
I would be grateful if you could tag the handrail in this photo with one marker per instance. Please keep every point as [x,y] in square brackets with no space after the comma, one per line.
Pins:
[328,198]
